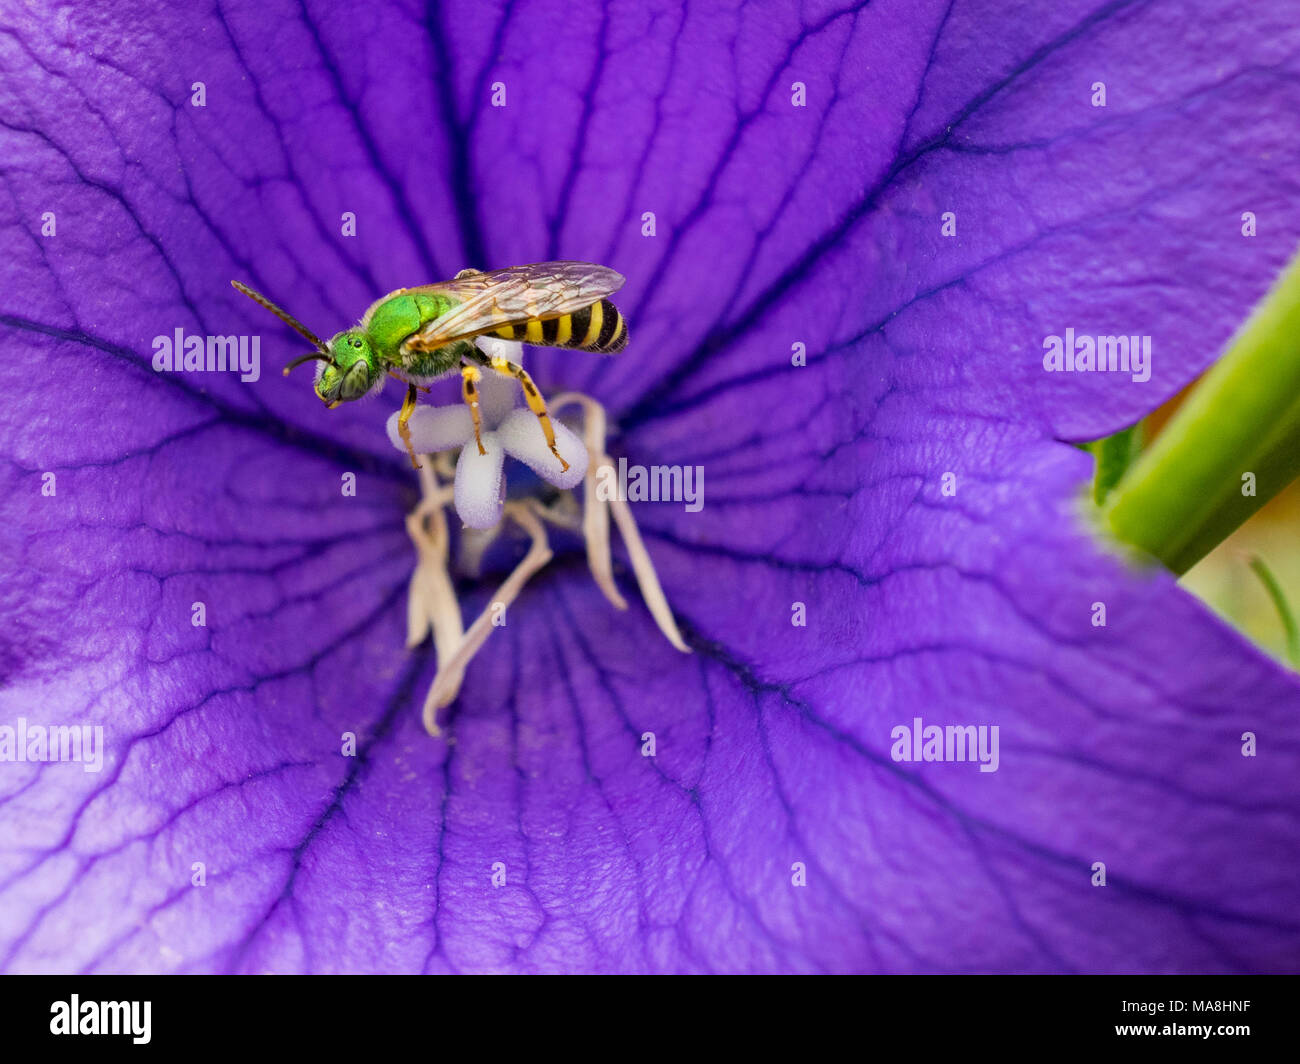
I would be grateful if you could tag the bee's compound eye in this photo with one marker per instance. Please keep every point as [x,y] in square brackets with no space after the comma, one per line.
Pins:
[355,381]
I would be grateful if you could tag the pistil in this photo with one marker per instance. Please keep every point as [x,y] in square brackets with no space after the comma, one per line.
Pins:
[432,605]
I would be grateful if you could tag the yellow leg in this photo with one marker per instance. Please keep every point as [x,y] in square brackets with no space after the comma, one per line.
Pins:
[533,397]
[469,378]
[408,408]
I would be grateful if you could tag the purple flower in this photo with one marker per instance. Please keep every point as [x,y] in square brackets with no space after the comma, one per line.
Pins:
[214,571]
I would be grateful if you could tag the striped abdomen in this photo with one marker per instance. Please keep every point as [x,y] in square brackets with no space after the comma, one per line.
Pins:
[599,327]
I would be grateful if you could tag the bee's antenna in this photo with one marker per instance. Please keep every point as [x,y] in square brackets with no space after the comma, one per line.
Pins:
[314,356]
[285,317]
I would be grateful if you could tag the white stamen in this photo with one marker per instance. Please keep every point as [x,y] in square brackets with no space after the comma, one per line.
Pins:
[595,513]
[646,578]
[447,683]
[474,543]
[478,499]
[432,602]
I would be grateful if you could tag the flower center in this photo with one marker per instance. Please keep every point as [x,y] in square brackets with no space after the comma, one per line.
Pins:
[538,501]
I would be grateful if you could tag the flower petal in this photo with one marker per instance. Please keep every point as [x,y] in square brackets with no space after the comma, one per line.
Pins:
[499,395]
[478,482]
[522,437]
[433,428]
[669,145]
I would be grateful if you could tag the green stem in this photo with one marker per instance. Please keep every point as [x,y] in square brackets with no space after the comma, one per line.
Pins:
[1186,493]
[1275,593]
[1113,455]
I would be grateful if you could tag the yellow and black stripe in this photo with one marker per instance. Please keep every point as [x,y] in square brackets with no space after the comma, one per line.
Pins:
[599,327]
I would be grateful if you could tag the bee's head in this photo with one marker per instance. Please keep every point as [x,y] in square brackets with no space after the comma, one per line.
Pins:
[348,366]
[347,370]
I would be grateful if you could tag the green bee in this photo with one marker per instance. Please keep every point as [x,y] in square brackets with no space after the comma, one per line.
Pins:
[420,334]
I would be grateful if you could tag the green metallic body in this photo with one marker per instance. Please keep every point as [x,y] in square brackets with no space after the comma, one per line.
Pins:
[362,357]
[392,319]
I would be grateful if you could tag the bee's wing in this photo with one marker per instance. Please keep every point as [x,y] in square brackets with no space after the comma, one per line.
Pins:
[517,294]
